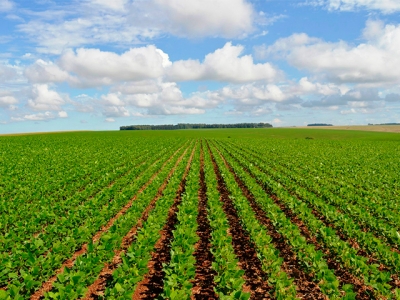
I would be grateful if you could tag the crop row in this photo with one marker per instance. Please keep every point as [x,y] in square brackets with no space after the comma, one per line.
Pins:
[196,219]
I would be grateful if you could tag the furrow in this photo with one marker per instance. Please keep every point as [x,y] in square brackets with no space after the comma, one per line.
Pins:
[153,283]
[306,288]
[203,286]
[244,248]
[47,286]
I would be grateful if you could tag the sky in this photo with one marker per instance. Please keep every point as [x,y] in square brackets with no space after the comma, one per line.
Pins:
[101,64]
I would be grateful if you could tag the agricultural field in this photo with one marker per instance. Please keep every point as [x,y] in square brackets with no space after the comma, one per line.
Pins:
[200,214]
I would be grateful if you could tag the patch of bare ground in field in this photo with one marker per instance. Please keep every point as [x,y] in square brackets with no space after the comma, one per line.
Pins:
[255,278]
[48,285]
[363,291]
[152,284]
[305,287]
[203,284]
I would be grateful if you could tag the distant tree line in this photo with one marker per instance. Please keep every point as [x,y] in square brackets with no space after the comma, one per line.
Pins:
[194,126]
[319,124]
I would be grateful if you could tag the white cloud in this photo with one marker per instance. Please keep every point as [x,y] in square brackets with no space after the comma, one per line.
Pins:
[252,94]
[164,98]
[386,6]
[114,5]
[193,18]
[225,64]
[6,5]
[80,25]
[62,114]
[35,117]
[45,99]
[121,22]
[138,87]
[356,99]
[175,110]
[96,67]
[46,72]
[283,46]
[110,120]
[277,121]
[7,101]
[115,111]
[255,94]
[370,62]
[112,99]
[8,72]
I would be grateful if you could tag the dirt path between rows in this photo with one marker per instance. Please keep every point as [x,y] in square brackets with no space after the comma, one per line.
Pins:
[358,283]
[152,284]
[203,284]
[48,285]
[363,291]
[98,287]
[244,248]
[306,288]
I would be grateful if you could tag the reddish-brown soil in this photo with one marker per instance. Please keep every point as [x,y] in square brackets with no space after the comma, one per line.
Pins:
[203,284]
[372,259]
[306,288]
[153,283]
[48,285]
[377,234]
[344,276]
[255,277]
[98,287]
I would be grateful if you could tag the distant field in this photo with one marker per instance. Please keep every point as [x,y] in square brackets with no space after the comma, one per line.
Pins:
[380,128]
[280,213]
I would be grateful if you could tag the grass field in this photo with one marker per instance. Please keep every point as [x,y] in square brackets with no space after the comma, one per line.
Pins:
[275,213]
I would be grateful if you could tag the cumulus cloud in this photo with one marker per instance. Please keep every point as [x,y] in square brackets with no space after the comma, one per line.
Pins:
[45,116]
[96,67]
[255,94]
[175,110]
[62,114]
[370,62]
[137,87]
[8,101]
[43,98]
[385,6]
[137,70]
[193,18]
[122,22]
[45,72]
[8,72]
[225,64]
[163,98]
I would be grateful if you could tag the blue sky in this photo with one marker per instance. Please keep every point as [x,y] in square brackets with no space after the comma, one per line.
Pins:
[100,64]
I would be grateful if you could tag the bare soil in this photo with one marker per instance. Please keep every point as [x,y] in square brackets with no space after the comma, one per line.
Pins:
[306,288]
[363,291]
[203,285]
[153,283]
[48,285]
[255,277]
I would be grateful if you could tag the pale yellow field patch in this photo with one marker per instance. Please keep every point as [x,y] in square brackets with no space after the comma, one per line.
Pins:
[377,128]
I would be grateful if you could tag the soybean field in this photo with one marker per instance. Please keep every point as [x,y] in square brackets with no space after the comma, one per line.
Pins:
[200,214]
